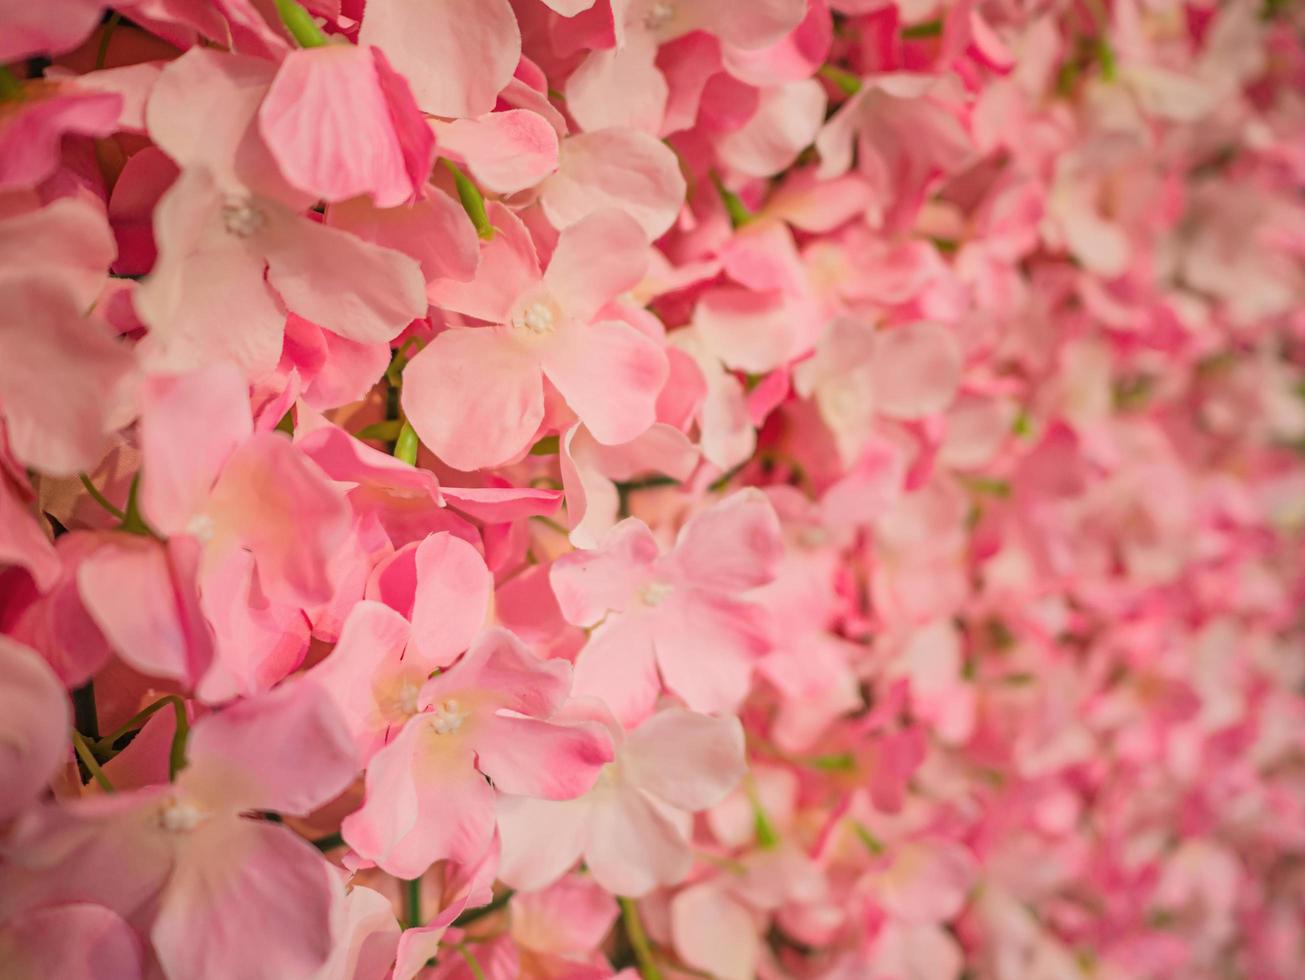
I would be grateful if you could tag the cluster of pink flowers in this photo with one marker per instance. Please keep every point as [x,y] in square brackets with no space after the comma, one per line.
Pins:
[566,489]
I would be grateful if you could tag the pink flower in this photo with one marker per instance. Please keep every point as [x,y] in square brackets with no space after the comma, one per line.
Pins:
[680,614]
[475,395]
[631,829]
[170,857]
[486,718]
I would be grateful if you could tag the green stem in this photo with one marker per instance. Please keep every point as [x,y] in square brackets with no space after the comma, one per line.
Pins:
[299,22]
[132,521]
[412,903]
[843,80]
[916,32]
[177,755]
[387,431]
[472,963]
[473,202]
[643,953]
[11,89]
[734,206]
[102,53]
[474,915]
[100,498]
[88,760]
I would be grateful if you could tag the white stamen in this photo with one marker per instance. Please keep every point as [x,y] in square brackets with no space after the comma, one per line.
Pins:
[406,699]
[202,528]
[659,15]
[538,318]
[241,217]
[178,816]
[447,717]
[655,593]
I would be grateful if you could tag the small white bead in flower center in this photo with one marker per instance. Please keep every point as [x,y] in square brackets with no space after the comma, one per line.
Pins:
[659,15]
[242,217]
[654,593]
[202,528]
[406,698]
[178,816]
[538,318]
[447,717]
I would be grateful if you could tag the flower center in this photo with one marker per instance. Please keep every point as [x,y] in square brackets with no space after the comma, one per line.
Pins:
[241,217]
[447,717]
[538,318]
[844,403]
[406,698]
[202,528]
[655,593]
[179,817]
[659,15]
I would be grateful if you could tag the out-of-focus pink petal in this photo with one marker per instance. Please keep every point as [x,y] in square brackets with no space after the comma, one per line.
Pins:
[706,650]
[916,369]
[351,287]
[749,330]
[785,123]
[368,939]
[31,134]
[619,87]
[632,847]
[596,259]
[610,374]
[456,54]
[34,725]
[589,584]
[689,760]
[527,757]
[451,598]
[273,501]
[190,425]
[474,396]
[434,230]
[505,151]
[77,941]
[570,918]
[618,666]
[246,869]
[732,545]
[615,168]
[142,594]
[715,933]
[22,541]
[64,379]
[68,237]
[45,29]
[287,751]
[795,56]
[541,839]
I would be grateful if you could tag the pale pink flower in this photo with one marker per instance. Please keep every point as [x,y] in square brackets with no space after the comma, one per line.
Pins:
[632,828]
[170,857]
[679,615]
[475,395]
[484,721]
